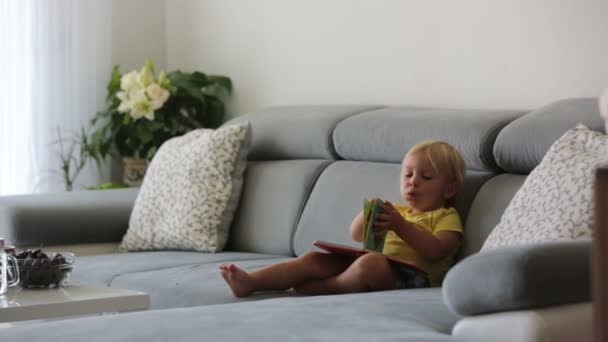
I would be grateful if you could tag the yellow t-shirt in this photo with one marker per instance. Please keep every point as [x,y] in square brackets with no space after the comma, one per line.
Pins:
[434,221]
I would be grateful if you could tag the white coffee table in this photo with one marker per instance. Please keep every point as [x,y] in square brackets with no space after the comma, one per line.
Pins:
[73,299]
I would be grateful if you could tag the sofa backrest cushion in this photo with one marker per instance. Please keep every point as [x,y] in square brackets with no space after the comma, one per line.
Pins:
[31,220]
[273,195]
[384,135]
[486,210]
[522,144]
[296,132]
[338,196]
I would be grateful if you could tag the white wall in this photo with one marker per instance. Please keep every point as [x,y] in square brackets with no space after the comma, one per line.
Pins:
[139,32]
[467,53]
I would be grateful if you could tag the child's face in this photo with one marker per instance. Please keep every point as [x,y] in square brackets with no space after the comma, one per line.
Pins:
[421,186]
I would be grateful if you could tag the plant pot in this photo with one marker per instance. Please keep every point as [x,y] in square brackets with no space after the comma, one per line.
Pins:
[134,171]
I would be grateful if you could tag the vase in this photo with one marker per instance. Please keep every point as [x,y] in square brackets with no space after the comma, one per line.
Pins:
[134,171]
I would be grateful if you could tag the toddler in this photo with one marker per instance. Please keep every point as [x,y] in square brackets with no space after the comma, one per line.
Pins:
[426,231]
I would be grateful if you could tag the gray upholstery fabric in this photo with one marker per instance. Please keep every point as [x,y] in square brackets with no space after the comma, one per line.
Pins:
[519,278]
[405,315]
[194,284]
[486,210]
[66,218]
[296,132]
[385,135]
[521,145]
[338,196]
[273,196]
[102,269]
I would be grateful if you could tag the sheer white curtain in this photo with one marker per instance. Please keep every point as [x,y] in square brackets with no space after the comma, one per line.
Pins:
[56,61]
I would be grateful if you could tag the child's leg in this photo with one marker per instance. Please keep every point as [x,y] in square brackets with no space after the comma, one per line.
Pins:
[370,272]
[284,275]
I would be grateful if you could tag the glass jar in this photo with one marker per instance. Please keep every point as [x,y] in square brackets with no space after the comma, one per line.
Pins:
[9,271]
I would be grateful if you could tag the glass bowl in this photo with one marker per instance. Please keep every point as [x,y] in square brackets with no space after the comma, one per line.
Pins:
[44,269]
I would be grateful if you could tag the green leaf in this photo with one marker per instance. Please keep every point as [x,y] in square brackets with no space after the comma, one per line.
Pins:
[199,79]
[155,125]
[151,153]
[215,113]
[126,120]
[114,84]
[222,81]
[184,84]
[216,90]
[109,185]
[149,65]
[144,134]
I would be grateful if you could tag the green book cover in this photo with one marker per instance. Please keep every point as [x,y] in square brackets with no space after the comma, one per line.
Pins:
[370,242]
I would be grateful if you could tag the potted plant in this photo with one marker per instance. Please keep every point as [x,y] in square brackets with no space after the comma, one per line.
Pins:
[143,111]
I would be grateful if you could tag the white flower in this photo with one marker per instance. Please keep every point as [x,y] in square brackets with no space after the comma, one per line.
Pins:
[142,109]
[157,94]
[124,105]
[130,81]
[140,106]
[141,94]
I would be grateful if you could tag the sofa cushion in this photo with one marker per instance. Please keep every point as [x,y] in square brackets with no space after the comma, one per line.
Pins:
[520,278]
[486,210]
[194,284]
[102,269]
[521,145]
[402,315]
[190,192]
[66,217]
[339,192]
[555,201]
[296,132]
[271,204]
[385,135]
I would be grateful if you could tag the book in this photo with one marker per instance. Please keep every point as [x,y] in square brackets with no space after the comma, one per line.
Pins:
[370,210]
[371,242]
[357,252]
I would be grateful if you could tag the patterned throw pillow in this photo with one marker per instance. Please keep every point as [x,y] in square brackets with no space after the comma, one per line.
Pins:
[555,201]
[190,192]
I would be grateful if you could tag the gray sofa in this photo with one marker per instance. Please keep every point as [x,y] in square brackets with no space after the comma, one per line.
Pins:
[310,167]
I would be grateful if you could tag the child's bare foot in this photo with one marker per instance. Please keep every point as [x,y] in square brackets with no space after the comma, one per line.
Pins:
[237,279]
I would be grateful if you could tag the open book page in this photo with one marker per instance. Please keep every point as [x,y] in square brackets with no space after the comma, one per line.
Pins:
[357,252]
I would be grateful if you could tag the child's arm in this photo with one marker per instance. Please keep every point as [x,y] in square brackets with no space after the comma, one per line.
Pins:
[356,227]
[429,246]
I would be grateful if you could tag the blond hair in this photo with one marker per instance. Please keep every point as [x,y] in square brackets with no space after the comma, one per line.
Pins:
[443,158]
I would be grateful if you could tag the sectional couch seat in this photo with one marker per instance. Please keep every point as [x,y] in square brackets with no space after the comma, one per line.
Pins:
[309,169]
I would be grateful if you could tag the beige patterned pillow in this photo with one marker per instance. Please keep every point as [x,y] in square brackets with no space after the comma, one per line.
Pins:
[555,201]
[190,192]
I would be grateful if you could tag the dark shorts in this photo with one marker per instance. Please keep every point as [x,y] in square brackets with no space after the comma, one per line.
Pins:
[407,278]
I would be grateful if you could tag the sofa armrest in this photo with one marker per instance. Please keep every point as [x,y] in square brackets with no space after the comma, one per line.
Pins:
[520,278]
[562,323]
[66,218]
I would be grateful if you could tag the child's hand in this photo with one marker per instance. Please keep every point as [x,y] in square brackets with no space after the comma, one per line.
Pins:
[390,218]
